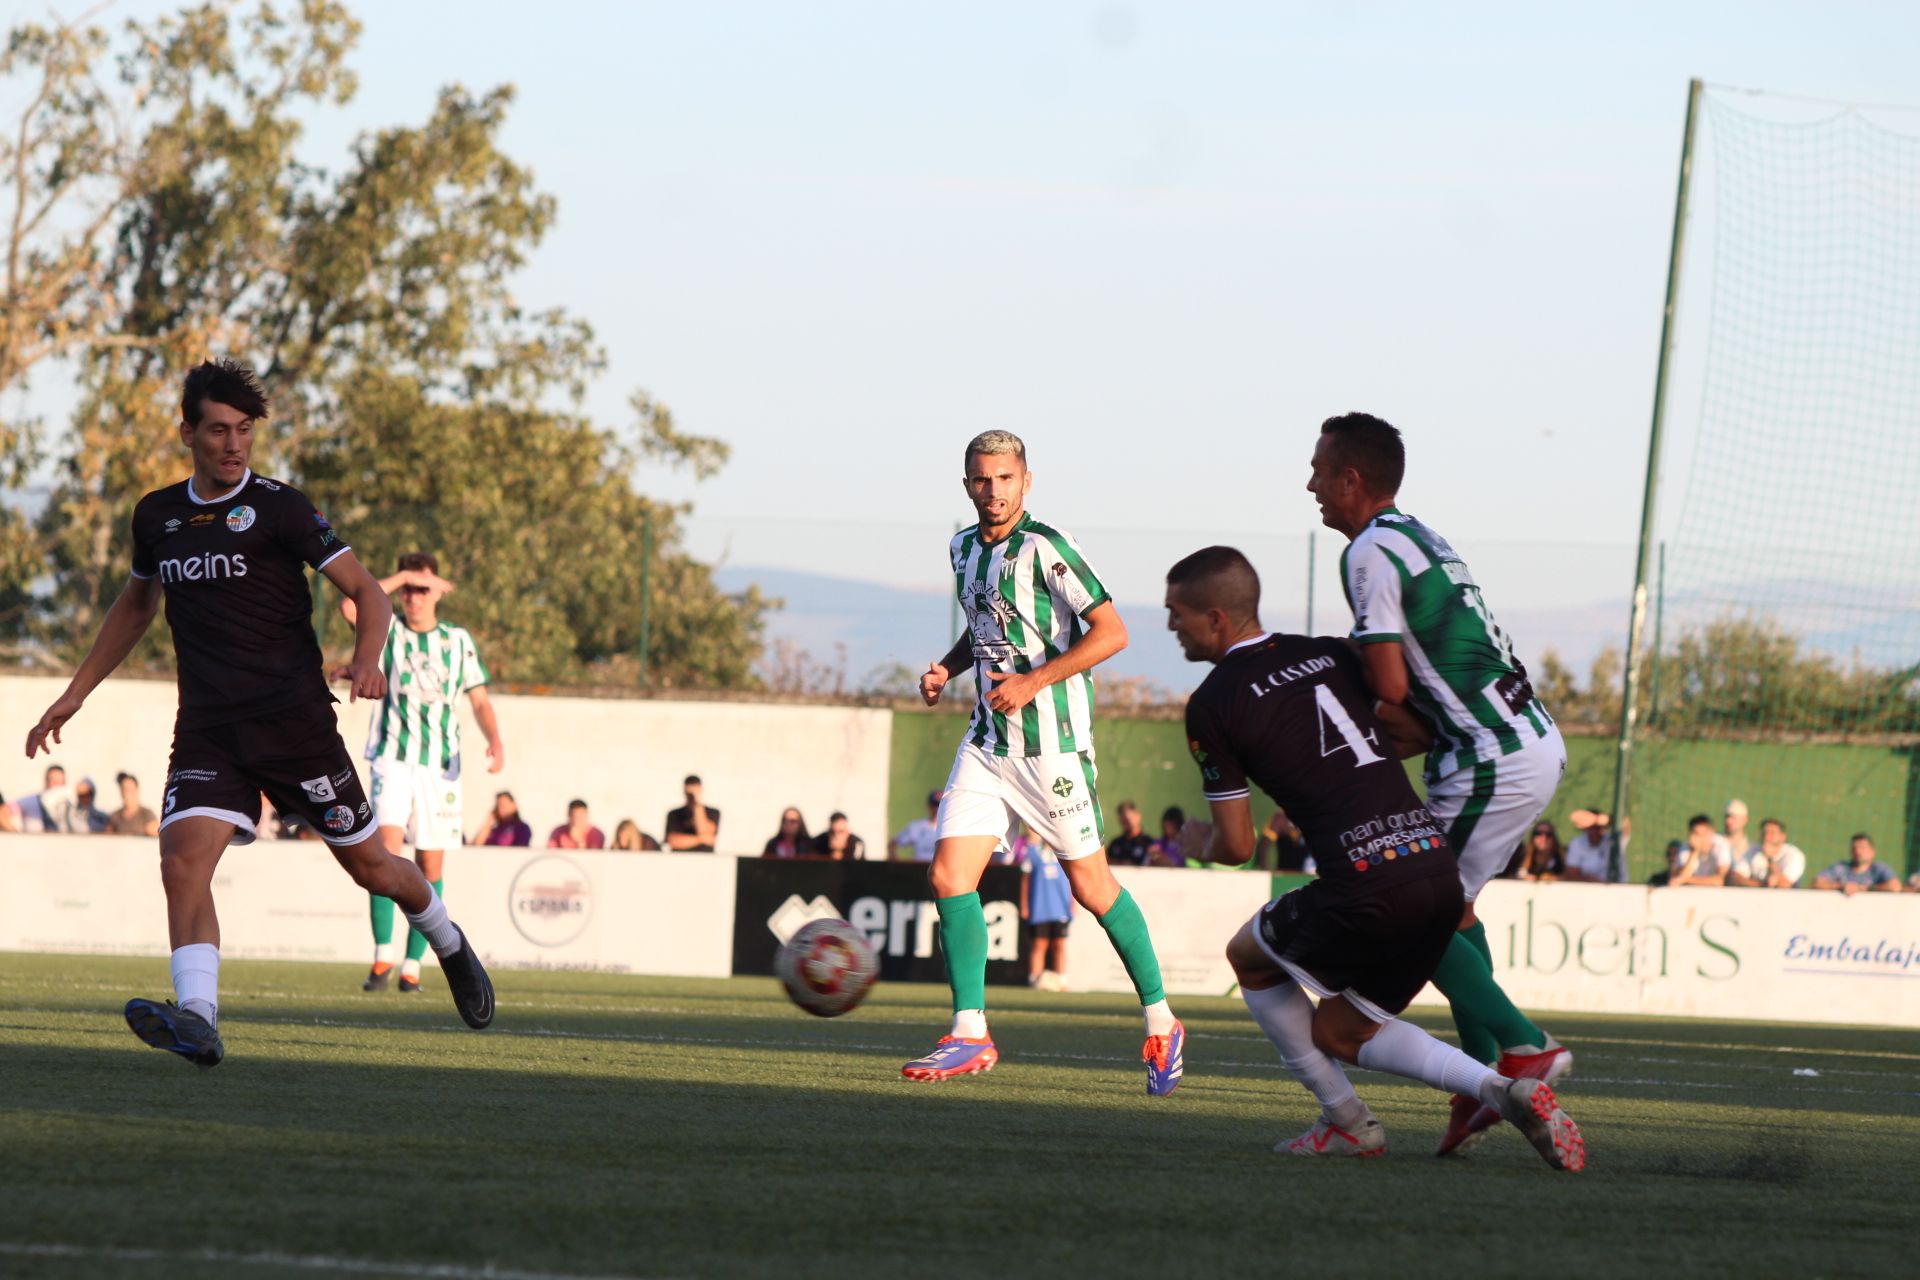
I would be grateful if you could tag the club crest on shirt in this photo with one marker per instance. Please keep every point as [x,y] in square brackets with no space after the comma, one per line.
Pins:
[988,613]
[240,519]
[425,677]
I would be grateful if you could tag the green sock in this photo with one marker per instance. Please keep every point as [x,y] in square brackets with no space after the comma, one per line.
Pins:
[381,910]
[1486,1019]
[963,940]
[1477,935]
[416,940]
[1127,930]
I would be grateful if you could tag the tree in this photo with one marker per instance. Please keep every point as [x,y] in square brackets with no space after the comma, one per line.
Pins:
[375,304]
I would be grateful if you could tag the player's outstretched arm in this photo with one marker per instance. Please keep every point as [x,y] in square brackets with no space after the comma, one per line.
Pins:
[126,621]
[1105,636]
[373,612]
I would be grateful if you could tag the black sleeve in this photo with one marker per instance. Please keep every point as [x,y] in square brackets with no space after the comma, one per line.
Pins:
[1221,776]
[303,530]
[145,564]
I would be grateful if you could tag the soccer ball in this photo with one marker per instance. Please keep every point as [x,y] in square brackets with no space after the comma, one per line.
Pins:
[827,967]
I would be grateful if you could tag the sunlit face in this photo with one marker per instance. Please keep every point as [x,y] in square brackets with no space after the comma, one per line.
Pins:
[1701,838]
[1772,835]
[1343,500]
[839,826]
[504,808]
[130,793]
[419,605]
[221,443]
[1201,632]
[997,485]
[1862,852]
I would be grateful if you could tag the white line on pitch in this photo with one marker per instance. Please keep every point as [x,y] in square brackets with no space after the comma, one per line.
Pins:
[302,1262]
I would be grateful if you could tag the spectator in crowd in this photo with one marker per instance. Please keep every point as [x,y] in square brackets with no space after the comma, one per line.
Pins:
[84,819]
[1166,850]
[1541,855]
[839,843]
[503,826]
[9,815]
[1133,847]
[578,831]
[1589,858]
[1703,859]
[629,838]
[132,818]
[791,840]
[1862,874]
[1046,906]
[1281,847]
[693,827]
[1737,839]
[47,811]
[917,839]
[1771,864]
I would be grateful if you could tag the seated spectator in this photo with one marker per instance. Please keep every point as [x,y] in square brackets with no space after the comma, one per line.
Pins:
[132,818]
[917,839]
[1133,847]
[1589,858]
[1862,874]
[1736,833]
[1771,864]
[1166,850]
[693,827]
[1542,857]
[503,827]
[47,811]
[83,819]
[838,843]
[1281,847]
[792,840]
[579,831]
[631,839]
[1704,859]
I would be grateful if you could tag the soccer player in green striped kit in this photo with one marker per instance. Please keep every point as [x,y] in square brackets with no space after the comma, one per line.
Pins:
[1440,665]
[1038,622]
[414,743]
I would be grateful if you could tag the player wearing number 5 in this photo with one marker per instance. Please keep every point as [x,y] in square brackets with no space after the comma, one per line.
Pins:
[414,743]
[1437,662]
[1038,621]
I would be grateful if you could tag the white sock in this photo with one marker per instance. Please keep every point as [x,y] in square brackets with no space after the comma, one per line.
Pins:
[1286,1015]
[970,1024]
[410,969]
[383,953]
[196,979]
[1405,1050]
[1159,1018]
[441,935]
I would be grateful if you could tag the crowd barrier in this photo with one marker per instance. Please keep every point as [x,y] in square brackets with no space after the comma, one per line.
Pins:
[1723,953]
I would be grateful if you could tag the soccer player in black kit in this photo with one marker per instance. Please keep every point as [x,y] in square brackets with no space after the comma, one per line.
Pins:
[229,551]
[1292,715]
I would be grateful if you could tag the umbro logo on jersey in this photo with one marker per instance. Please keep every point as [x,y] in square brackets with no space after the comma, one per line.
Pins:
[318,789]
[240,519]
[172,525]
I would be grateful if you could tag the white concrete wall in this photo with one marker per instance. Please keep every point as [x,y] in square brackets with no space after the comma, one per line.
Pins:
[625,758]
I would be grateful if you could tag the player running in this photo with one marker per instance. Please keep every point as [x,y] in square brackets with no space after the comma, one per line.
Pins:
[1293,715]
[414,743]
[229,551]
[1439,664]
[1038,621]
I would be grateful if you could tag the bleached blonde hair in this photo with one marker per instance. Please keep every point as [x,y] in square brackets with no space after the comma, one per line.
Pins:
[992,443]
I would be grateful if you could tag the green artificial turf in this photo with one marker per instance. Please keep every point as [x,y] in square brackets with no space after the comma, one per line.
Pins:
[675,1127]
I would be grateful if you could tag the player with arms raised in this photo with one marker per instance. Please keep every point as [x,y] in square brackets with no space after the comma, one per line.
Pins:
[1293,716]
[1038,621]
[229,551]
[1439,664]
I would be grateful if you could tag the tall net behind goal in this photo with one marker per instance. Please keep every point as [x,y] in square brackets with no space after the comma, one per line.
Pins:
[1785,593]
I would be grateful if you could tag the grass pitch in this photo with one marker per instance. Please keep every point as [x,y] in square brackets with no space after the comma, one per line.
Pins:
[612,1126]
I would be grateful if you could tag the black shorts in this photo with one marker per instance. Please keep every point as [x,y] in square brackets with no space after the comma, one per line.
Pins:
[295,756]
[1375,947]
[1047,929]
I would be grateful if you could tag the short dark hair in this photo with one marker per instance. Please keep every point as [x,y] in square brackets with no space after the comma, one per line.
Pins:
[1860,835]
[576,804]
[1371,446]
[692,780]
[121,779]
[1773,822]
[836,816]
[1699,820]
[53,769]
[1174,813]
[1219,578]
[417,560]
[225,382]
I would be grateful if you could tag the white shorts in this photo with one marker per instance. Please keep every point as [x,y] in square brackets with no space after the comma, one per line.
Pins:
[1054,795]
[1487,808]
[421,800]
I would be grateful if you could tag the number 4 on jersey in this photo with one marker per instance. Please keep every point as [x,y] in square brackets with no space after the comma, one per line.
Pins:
[1333,715]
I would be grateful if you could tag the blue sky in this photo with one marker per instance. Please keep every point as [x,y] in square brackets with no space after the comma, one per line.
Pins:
[1160,241]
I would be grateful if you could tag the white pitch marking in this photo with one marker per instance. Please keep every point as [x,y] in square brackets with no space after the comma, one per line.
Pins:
[304,1262]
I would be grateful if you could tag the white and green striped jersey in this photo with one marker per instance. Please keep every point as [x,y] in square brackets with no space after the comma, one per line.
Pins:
[427,671]
[1025,598]
[1405,584]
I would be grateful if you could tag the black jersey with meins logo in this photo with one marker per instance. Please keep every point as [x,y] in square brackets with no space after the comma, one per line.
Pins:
[234,569]
[1292,715]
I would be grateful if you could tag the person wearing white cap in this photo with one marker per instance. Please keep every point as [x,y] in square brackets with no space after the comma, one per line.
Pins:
[1736,833]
